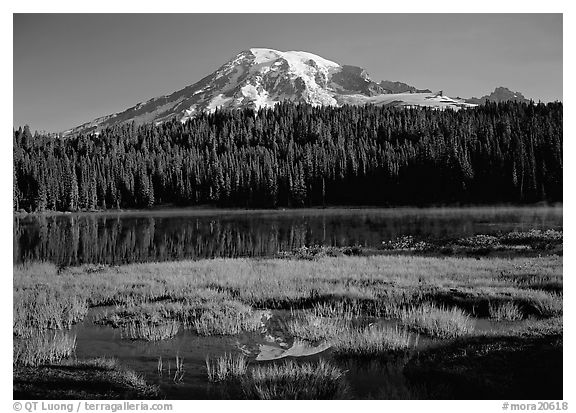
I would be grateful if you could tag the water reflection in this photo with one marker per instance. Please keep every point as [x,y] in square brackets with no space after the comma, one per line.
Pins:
[171,235]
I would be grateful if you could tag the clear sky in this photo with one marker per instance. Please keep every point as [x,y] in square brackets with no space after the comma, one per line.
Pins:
[72,68]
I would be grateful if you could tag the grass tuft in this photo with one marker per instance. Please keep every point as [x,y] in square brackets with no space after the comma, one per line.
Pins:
[43,348]
[120,375]
[546,305]
[437,321]
[289,381]
[226,367]
[43,308]
[346,338]
[150,332]
[311,327]
[507,311]
[372,341]
[227,320]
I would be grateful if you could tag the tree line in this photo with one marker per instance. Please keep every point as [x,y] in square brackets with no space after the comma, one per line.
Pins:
[296,155]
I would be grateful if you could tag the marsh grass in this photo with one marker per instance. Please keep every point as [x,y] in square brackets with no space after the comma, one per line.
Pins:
[538,328]
[332,299]
[227,367]
[205,315]
[99,378]
[106,363]
[227,321]
[348,339]
[44,309]
[437,321]
[547,283]
[290,380]
[135,380]
[546,304]
[150,332]
[179,290]
[224,296]
[373,340]
[118,374]
[507,311]
[179,371]
[284,381]
[160,366]
[43,348]
[123,375]
[343,310]
[309,326]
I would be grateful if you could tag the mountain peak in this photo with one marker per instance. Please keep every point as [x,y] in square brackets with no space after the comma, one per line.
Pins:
[500,94]
[264,55]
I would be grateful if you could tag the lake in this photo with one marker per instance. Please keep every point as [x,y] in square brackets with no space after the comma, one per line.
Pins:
[171,234]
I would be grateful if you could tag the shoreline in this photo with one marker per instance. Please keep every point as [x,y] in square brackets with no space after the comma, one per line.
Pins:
[328,210]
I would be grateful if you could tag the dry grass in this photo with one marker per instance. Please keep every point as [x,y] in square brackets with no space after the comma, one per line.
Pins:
[283,283]
[346,338]
[339,309]
[311,327]
[118,374]
[43,348]
[206,314]
[335,294]
[95,379]
[289,381]
[43,308]
[507,311]
[220,296]
[546,304]
[372,341]
[227,320]
[106,363]
[437,321]
[284,381]
[226,367]
[150,332]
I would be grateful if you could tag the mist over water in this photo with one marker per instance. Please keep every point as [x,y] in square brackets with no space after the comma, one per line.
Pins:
[164,235]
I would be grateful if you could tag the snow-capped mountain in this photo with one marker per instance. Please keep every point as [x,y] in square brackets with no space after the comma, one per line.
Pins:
[260,77]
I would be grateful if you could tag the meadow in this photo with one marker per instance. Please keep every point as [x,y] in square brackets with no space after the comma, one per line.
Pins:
[359,306]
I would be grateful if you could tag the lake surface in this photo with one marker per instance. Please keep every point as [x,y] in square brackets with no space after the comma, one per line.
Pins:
[161,235]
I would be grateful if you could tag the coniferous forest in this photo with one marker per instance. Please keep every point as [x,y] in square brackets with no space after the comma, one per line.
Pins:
[298,155]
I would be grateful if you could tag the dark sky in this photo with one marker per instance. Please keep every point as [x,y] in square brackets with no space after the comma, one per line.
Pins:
[71,68]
